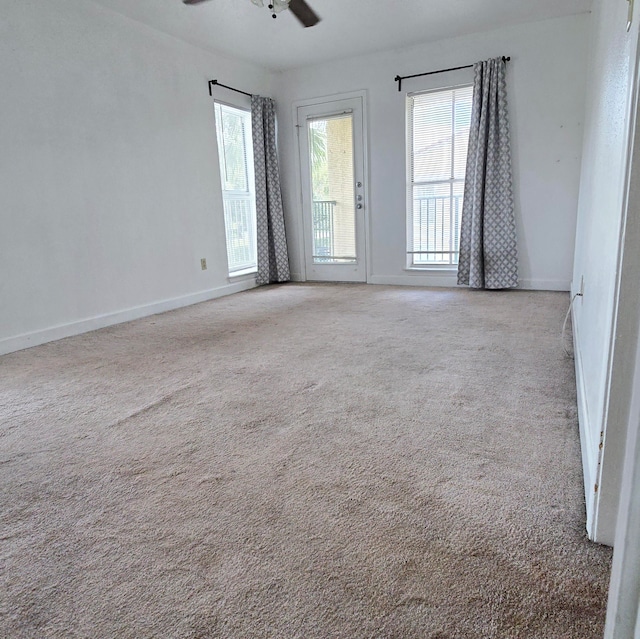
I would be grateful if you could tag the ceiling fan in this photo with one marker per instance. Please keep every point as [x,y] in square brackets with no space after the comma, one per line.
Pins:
[300,9]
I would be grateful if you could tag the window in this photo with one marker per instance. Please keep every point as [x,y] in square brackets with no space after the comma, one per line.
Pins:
[437,137]
[235,149]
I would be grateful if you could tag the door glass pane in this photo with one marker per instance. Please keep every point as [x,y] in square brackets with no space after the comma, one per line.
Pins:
[233,131]
[333,189]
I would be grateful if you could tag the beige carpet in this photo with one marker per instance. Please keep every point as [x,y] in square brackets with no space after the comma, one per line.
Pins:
[300,461]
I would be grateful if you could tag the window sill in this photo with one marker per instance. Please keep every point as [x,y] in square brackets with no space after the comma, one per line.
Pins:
[247,274]
[449,270]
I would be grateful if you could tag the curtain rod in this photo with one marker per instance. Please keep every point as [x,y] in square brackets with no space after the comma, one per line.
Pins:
[224,86]
[399,78]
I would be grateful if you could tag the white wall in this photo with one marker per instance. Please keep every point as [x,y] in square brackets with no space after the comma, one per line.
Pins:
[546,78]
[109,174]
[605,323]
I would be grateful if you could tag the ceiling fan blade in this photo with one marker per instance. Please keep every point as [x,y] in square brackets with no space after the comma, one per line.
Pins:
[192,1]
[303,12]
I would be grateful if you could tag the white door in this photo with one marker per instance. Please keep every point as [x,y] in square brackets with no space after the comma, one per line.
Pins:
[333,194]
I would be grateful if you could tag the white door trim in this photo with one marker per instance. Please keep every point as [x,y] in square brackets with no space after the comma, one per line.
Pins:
[623,611]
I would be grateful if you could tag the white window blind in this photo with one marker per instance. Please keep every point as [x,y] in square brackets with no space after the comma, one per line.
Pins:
[437,140]
[235,150]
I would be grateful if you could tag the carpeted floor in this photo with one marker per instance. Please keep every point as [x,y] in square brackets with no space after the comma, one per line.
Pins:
[300,461]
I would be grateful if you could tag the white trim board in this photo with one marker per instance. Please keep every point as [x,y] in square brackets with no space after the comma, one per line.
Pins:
[35,338]
[623,612]
[545,285]
[419,279]
[589,456]
[450,280]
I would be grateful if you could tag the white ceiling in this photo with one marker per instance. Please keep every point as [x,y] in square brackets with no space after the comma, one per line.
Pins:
[239,29]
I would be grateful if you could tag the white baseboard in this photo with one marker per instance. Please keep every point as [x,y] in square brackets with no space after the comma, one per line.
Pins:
[545,285]
[35,338]
[450,280]
[587,445]
[417,279]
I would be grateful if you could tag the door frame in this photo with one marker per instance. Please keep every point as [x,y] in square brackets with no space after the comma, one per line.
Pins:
[319,101]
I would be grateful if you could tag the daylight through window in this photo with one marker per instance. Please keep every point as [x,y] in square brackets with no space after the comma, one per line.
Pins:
[235,149]
[437,138]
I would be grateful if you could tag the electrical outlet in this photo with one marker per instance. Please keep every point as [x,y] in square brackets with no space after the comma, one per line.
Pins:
[203,263]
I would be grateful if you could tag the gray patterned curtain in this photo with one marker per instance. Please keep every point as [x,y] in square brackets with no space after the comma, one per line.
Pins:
[488,252]
[273,259]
